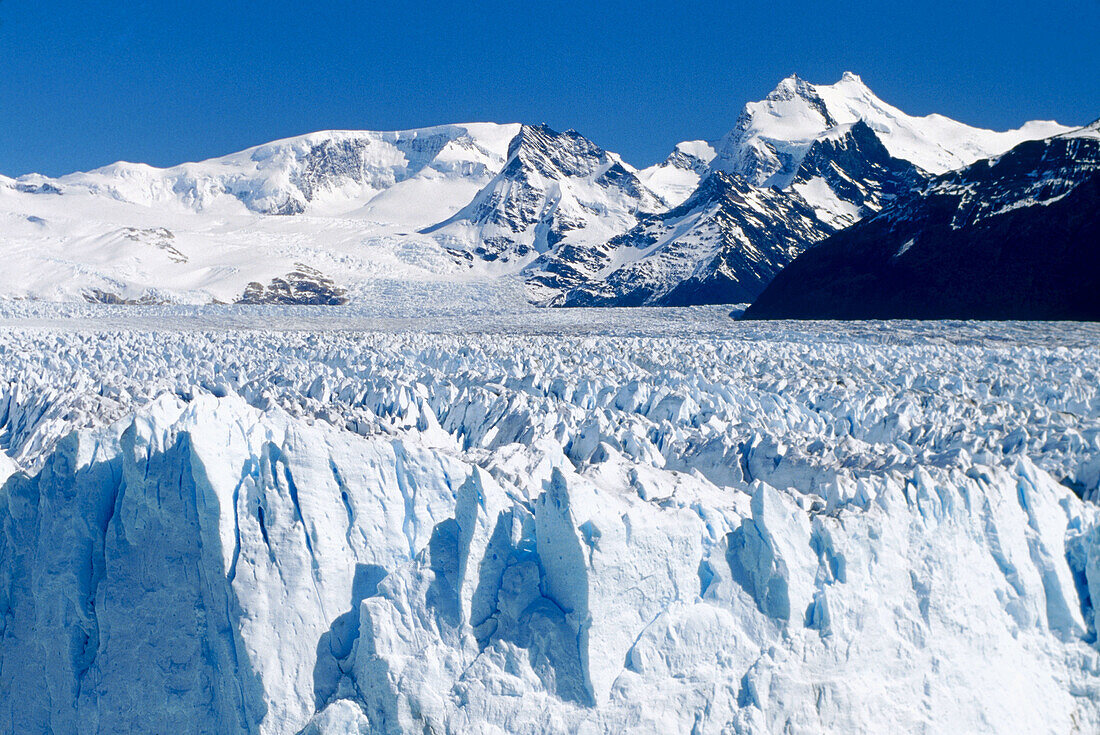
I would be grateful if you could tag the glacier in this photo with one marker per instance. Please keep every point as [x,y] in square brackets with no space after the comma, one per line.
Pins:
[266,520]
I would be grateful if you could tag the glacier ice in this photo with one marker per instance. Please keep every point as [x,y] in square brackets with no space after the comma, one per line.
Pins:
[690,525]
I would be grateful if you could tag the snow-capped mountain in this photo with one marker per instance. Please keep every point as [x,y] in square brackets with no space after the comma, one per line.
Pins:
[1012,237]
[837,149]
[720,246]
[202,232]
[320,173]
[772,136]
[727,242]
[677,177]
[473,203]
[554,188]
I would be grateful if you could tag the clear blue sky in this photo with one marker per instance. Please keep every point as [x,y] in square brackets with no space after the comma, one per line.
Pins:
[86,83]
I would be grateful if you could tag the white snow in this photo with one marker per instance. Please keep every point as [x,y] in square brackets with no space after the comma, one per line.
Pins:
[264,177]
[361,214]
[675,178]
[829,208]
[1092,130]
[642,520]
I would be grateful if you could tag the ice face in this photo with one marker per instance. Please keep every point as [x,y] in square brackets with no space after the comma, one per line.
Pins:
[684,525]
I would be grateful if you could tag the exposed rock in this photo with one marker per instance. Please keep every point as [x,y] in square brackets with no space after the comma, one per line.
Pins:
[303,285]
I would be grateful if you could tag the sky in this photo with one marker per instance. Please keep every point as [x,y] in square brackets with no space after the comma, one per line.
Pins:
[84,84]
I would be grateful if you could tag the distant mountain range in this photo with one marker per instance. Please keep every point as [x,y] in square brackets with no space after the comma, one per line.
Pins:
[322,217]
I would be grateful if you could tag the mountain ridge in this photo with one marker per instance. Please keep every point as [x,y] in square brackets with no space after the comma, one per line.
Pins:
[464,203]
[1012,237]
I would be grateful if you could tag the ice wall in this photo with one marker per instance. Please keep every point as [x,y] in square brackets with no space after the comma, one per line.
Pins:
[417,533]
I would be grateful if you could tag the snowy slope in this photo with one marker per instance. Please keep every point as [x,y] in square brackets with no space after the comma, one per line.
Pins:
[72,246]
[723,245]
[802,529]
[675,178]
[199,232]
[326,172]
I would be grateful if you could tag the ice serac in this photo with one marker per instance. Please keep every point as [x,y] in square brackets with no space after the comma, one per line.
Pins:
[803,528]
[1007,238]
[200,537]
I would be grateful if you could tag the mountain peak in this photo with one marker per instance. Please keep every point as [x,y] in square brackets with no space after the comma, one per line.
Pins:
[790,88]
[772,135]
[851,85]
[553,187]
[541,148]
[796,85]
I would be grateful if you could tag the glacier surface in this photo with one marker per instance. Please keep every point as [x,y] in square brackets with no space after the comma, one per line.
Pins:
[263,520]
